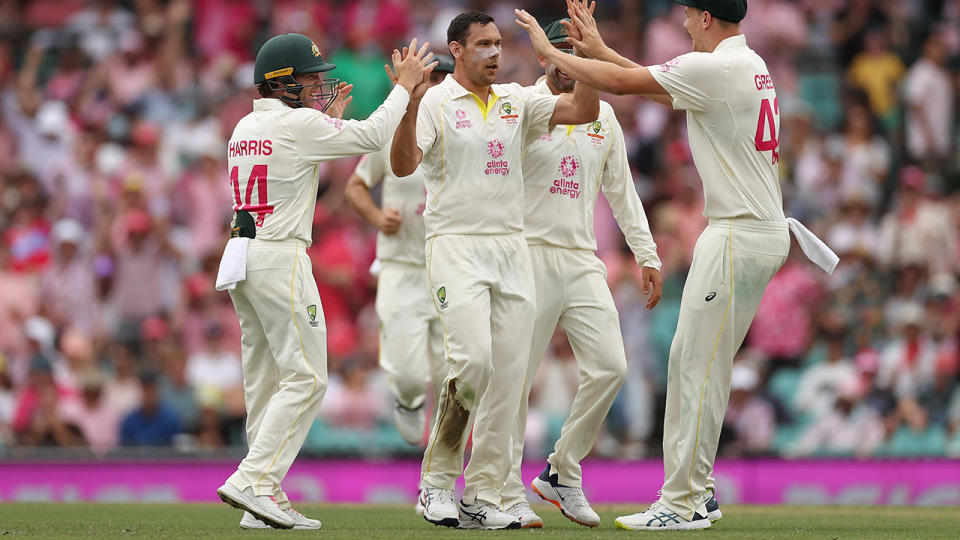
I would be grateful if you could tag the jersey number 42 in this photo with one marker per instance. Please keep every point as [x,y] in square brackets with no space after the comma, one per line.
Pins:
[767,119]
[258,176]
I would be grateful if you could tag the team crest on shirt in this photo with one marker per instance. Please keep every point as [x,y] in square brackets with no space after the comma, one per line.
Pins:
[507,113]
[312,312]
[442,297]
[462,121]
[593,131]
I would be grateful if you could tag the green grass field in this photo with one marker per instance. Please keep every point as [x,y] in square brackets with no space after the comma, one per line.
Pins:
[396,522]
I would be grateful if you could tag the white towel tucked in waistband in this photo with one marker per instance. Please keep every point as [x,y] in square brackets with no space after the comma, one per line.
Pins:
[233,264]
[814,248]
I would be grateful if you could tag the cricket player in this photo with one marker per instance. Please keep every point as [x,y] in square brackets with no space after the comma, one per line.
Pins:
[272,158]
[732,121]
[563,171]
[468,139]
[411,340]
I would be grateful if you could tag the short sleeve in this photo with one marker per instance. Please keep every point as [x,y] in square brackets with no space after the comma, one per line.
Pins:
[693,80]
[428,122]
[372,167]
[537,112]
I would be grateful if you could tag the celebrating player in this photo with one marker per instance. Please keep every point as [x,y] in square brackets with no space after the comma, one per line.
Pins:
[562,173]
[468,138]
[273,156]
[411,340]
[732,121]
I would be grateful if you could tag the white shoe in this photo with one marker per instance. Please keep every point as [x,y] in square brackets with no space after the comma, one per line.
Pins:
[481,515]
[263,507]
[660,518]
[301,522]
[528,518]
[439,507]
[418,508]
[570,500]
[410,422]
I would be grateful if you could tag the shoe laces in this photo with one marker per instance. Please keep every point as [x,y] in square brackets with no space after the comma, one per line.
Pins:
[574,497]
[295,512]
[438,494]
[520,509]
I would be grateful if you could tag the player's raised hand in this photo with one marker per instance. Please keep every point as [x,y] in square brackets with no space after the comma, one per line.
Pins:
[411,66]
[537,37]
[582,29]
[652,285]
[339,104]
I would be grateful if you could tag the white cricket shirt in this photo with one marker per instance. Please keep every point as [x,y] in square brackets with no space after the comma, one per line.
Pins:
[273,154]
[562,174]
[472,153]
[405,195]
[733,125]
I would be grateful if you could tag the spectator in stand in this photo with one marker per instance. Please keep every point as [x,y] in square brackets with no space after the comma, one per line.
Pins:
[750,418]
[350,401]
[908,362]
[175,390]
[216,371]
[851,428]
[92,414]
[122,389]
[820,384]
[68,287]
[919,230]
[877,71]
[38,418]
[929,100]
[154,423]
[861,153]
[143,259]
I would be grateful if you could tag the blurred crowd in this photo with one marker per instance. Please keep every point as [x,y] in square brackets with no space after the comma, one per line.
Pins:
[115,205]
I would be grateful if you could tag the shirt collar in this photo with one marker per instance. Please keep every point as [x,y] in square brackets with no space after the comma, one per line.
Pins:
[541,86]
[456,90]
[268,104]
[738,40]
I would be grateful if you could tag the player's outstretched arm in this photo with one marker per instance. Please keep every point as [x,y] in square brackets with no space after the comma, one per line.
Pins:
[604,76]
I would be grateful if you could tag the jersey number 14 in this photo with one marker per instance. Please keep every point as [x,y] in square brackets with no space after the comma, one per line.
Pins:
[767,119]
[258,176]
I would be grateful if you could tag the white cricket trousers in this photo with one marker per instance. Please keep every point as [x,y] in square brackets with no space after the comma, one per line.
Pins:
[733,262]
[284,351]
[411,339]
[572,291]
[482,287]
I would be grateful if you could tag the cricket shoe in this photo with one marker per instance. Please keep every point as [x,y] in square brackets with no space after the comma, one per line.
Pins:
[410,422]
[481,515]
[301,522]
[263,507]
[418,508]
[660,518]
[570,500]
[713,508]
[439,507]
[528,518]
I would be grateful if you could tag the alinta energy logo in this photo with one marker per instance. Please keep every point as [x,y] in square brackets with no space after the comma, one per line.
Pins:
[496,166]
[462,121]
[569,165]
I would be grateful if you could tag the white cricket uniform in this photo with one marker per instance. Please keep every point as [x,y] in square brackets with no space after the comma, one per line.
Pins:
[732,123]
[272,158]
[411,339]
[563,173]
[478,267]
